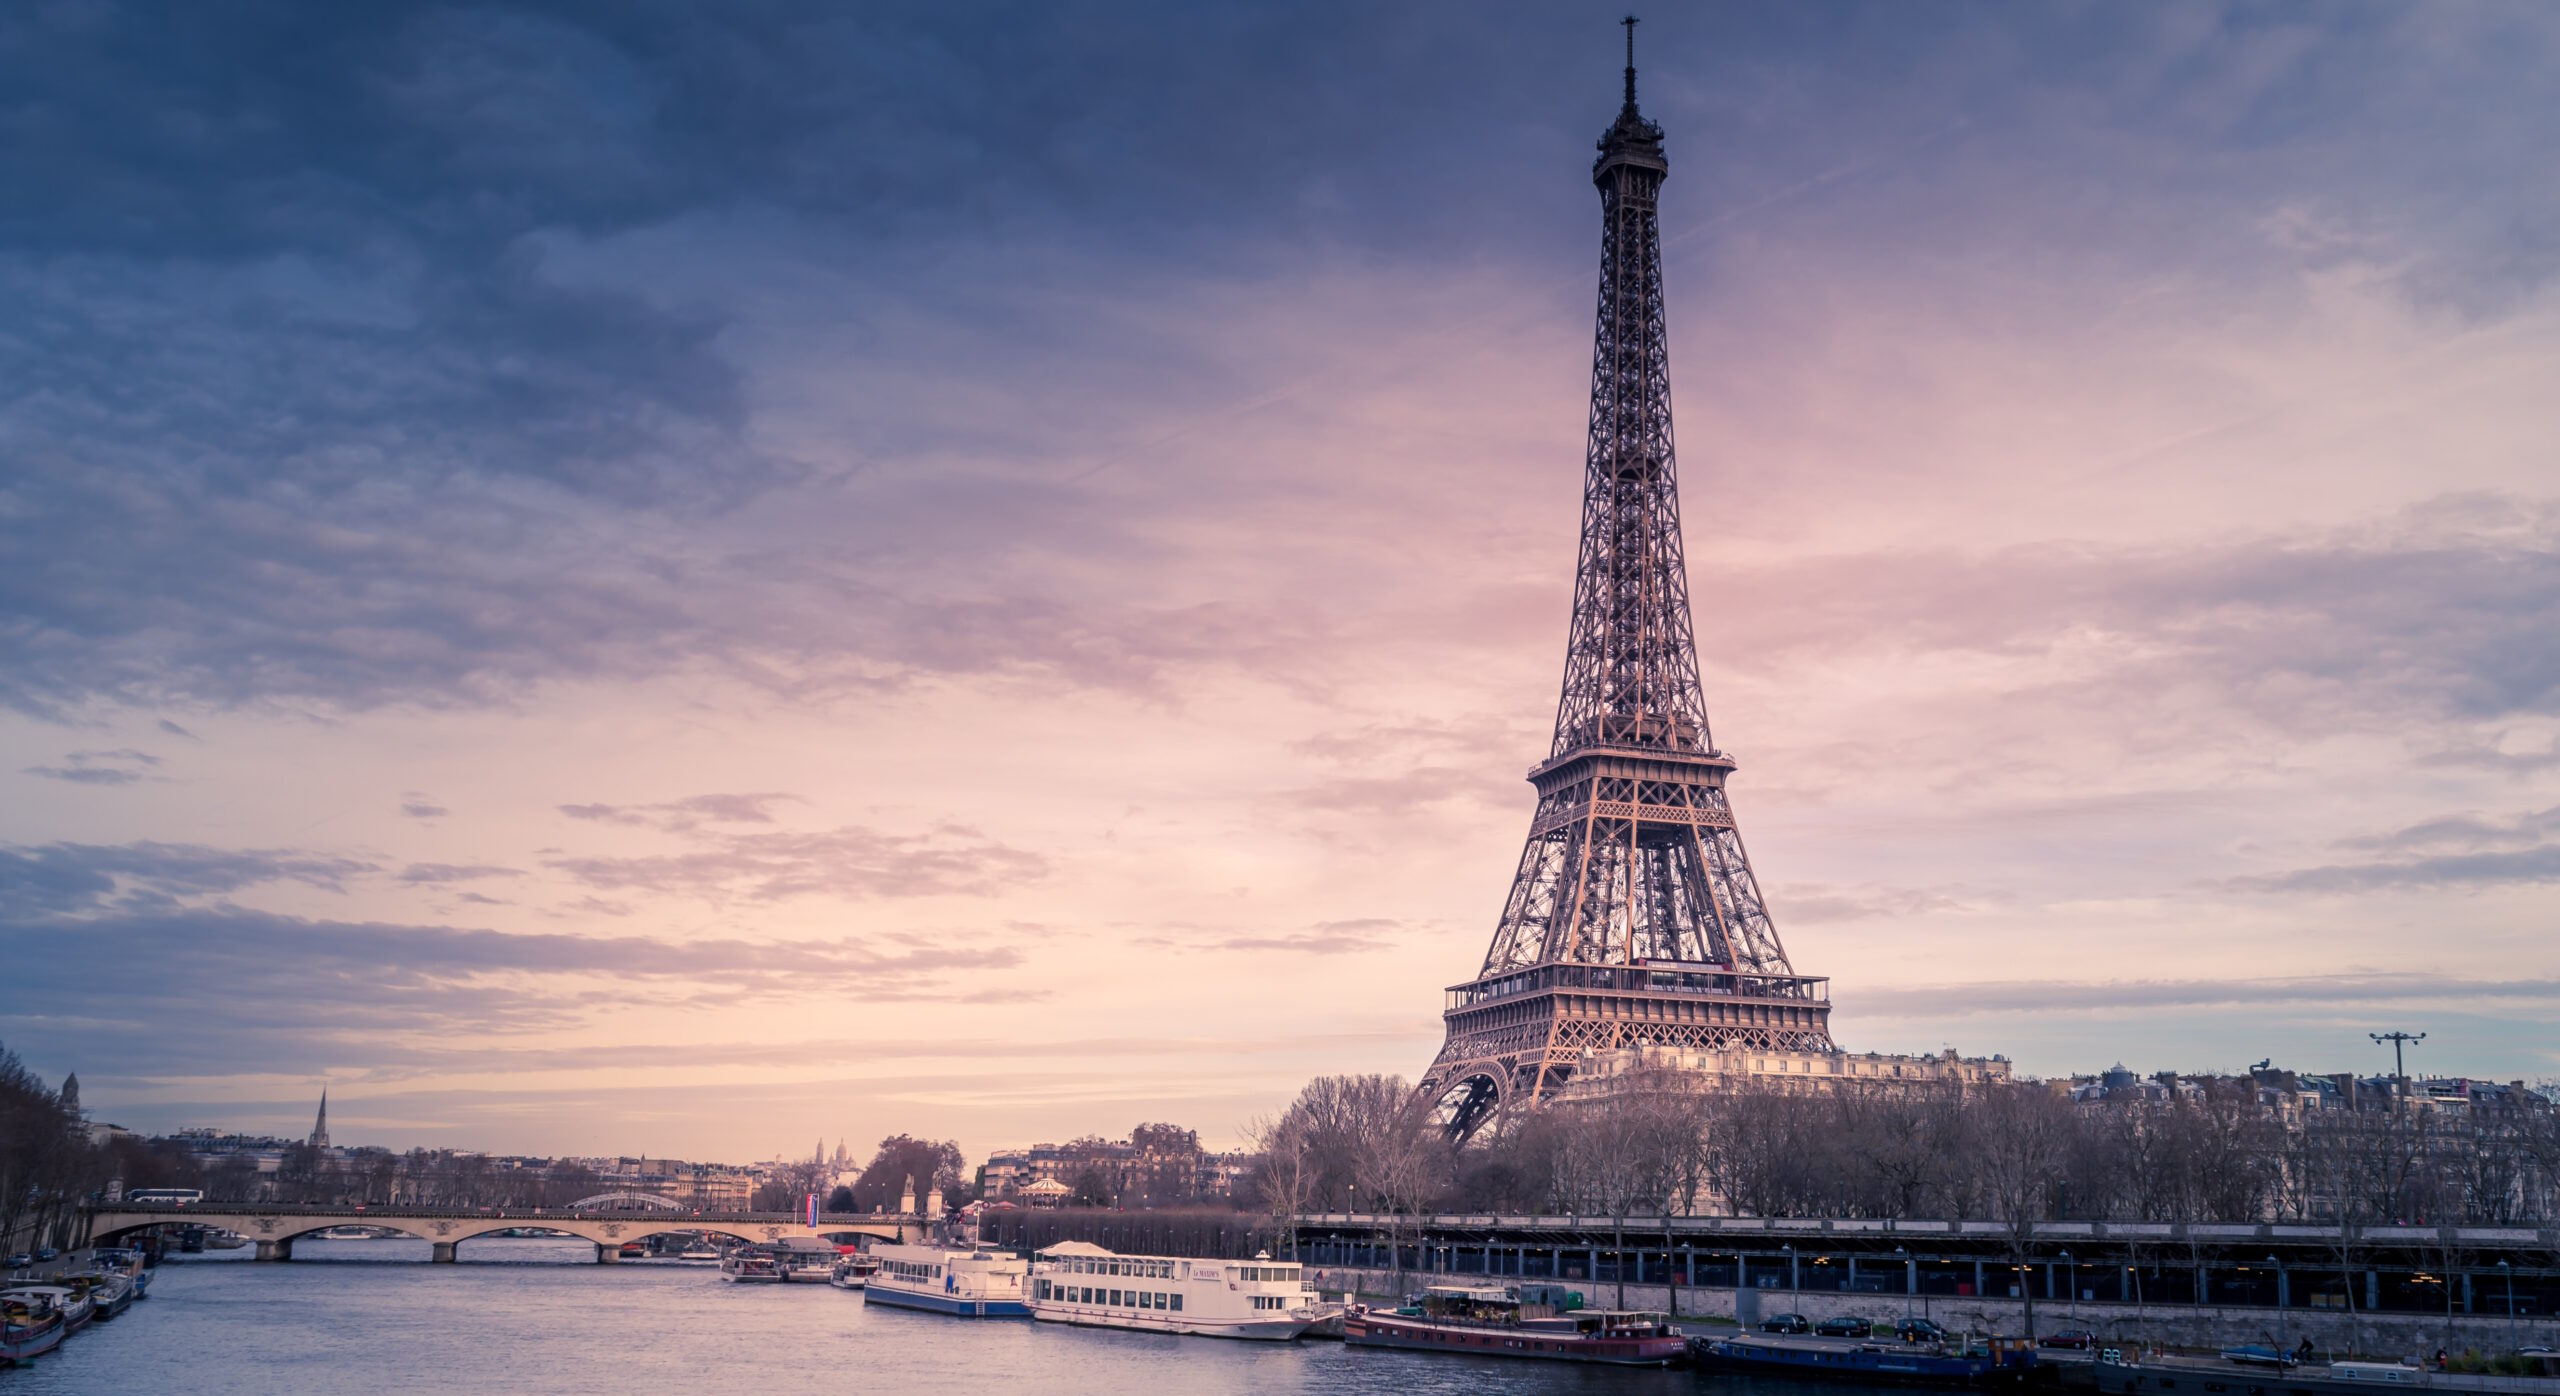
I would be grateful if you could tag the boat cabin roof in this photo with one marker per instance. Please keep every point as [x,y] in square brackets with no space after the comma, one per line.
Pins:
[1077,1248]
[1473,1294]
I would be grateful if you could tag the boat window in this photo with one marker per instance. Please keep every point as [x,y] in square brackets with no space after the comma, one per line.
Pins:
[1177,1303]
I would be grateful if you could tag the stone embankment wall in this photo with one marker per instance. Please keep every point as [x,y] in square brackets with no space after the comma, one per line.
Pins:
[2128,1325]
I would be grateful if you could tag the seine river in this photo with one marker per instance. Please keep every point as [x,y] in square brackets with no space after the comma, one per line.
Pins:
[541,1316]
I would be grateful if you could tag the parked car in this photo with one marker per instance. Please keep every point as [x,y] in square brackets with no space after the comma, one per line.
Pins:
[46,1253]
[2068,1338]
[1786,1323]
[21,1261]
[1919,1330]
[1844,1326]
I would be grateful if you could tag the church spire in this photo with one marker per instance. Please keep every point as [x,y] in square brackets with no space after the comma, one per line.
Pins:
[320,1126]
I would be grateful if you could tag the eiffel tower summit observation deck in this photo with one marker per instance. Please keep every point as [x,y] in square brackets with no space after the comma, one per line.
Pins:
[1634,919]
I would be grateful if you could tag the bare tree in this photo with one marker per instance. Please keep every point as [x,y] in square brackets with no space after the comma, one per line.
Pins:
[1289,1174]
[2024,1136]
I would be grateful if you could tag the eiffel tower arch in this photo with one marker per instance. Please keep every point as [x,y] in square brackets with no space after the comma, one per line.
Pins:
[1634,918]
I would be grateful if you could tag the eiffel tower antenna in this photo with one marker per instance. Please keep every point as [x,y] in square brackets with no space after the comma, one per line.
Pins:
[1634,918]
[1630,22]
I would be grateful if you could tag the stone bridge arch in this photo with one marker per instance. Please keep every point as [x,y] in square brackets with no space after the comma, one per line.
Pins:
[275,1229]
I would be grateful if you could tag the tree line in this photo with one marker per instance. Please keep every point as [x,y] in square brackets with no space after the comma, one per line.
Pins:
[1657,1145]
[2013,1153]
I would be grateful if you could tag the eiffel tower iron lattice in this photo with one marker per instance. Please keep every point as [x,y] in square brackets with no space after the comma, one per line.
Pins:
[1634,918]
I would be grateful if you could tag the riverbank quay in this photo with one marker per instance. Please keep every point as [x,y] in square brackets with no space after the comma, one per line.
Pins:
[2360,1289]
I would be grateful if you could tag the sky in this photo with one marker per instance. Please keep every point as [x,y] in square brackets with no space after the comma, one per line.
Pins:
[685,579]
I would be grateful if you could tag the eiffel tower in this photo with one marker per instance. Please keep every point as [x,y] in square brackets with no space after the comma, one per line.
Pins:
[1634,919]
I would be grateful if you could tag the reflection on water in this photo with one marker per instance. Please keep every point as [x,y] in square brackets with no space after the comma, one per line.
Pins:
[540,1315]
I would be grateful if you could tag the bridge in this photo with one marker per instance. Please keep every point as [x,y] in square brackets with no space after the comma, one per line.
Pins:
[276,1226]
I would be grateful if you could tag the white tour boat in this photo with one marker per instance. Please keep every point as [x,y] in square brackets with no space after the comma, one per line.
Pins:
[970,1284]
[1075,1282]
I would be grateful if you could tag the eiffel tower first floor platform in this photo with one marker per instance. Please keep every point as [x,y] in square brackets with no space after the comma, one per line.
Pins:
[1515,1038]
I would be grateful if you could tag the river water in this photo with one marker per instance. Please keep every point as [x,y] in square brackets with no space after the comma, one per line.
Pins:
[541,1316]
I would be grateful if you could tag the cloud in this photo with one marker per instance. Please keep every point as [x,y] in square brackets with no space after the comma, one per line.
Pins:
[2364,988]
[175,730]
[850,862]
[123,766]
[690,813]
[440,873]
[2495,756]
[72,879]
[418,806]
[264,993]
[2467,831]
[463,351]
[2457,871]
[1815,903]
[2432,613]
[2468,851]
[85,775]
[1358,936]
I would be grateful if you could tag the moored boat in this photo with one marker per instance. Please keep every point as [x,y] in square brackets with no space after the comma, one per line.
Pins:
[1078,1283]
[939,1279]
[131,1264]
[1974,1362]
[109,1293]
[751,1265]
[1490,1322]
[854,1271]
[73,1305]
[803,1260]
[30,1326]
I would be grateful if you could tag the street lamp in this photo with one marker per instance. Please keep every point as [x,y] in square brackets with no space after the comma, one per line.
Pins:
[2509,1272]
[1795,1286]
[1905,1253]
[2074,1301]
[2278,1262]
